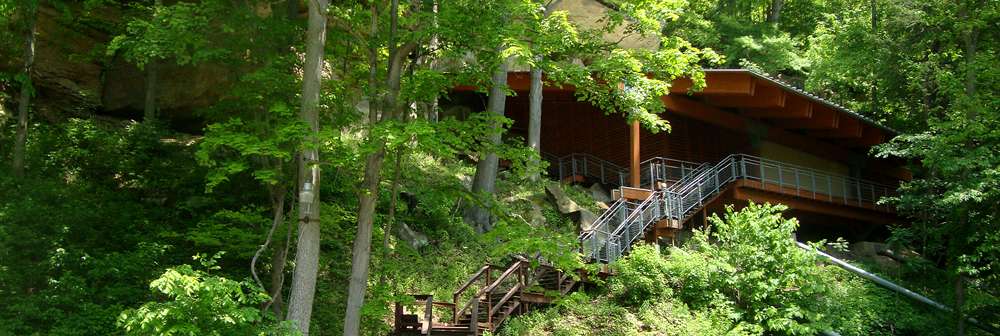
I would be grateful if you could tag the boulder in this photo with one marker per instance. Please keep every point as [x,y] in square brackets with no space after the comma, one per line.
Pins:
[599,193]
[584,219]
[412,237]
[867,250]
[537,217]
[563,203]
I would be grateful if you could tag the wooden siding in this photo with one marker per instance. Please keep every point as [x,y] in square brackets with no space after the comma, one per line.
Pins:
[575,127]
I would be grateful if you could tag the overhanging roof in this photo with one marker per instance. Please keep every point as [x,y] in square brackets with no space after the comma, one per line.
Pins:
[736,98]
[807,95]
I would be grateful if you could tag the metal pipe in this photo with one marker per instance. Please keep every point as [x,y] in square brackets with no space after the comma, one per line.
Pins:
[894,287]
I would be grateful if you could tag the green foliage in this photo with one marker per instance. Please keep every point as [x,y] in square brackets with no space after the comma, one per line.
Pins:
[641,278]
[198,303]
[108,206]
[745,277]
[772,282]
[178,31]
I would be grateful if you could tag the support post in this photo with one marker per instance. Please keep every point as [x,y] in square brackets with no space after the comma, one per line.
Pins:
[634,154]
[474,317]
[429,315]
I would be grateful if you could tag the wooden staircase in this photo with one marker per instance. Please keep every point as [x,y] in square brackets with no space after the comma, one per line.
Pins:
[484,302]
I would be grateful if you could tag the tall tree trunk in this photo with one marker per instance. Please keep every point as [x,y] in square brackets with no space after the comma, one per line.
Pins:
[774,12]
[279,258]
[970,39]
[149,106]
[367,199]
[25,100]
[874,99]
[277,196]
[535,111]
[432,108]
[307,251]
[391,220]
[535,98]
[486,169]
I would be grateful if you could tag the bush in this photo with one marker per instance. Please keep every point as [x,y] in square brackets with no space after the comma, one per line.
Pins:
[200,304]
[640,277]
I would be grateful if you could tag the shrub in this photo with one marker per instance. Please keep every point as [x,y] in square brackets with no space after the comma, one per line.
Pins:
[199,304]
[640,277]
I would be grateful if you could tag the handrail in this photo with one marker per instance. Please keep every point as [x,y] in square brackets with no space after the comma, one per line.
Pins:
[635,224]
[513,267]
[505,298]
[586,165]
[665,169]
[471,280]
[678,201]
[603,218]
[456,312]
[495,311]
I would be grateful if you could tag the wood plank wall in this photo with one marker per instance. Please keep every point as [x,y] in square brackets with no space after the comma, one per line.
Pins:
[570,126]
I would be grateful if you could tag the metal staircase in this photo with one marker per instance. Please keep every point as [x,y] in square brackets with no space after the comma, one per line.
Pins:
[581,165]
[676,191]
[625,222]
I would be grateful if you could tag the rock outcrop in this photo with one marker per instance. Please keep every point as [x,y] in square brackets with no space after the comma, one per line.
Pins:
[74,78]
[583,217]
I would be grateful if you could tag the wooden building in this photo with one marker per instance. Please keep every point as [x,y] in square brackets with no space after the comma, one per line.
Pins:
[812,155]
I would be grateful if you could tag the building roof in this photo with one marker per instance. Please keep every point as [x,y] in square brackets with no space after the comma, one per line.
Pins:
[803,93]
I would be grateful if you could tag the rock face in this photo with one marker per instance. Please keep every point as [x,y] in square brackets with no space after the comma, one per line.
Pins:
[67,83]
[584,218]
[599,193]
[563,203]
[73,77]
[412,237]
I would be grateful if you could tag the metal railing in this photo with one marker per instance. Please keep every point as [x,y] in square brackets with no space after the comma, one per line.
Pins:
[661,169]
[666,170]
[680,200]
[594,239]
[580,164]
[815,184]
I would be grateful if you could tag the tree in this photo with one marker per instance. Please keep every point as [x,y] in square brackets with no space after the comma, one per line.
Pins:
[953,197]
[361,253]
[300,302]
[29,14]
[484,182]
[149,105]
[535,93]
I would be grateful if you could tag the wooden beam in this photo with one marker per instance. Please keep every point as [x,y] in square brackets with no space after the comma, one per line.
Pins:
[687,107]
[719,83]
[696,110]
[848,128]
[635,193]
[634,170]
[795,107]
[764,96]
[870,136]
[822,118]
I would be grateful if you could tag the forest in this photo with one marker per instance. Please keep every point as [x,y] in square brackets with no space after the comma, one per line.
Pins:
[297,167]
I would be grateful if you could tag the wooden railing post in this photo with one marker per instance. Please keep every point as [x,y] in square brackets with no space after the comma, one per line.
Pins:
[398,316]
[474,321]
[429,315]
